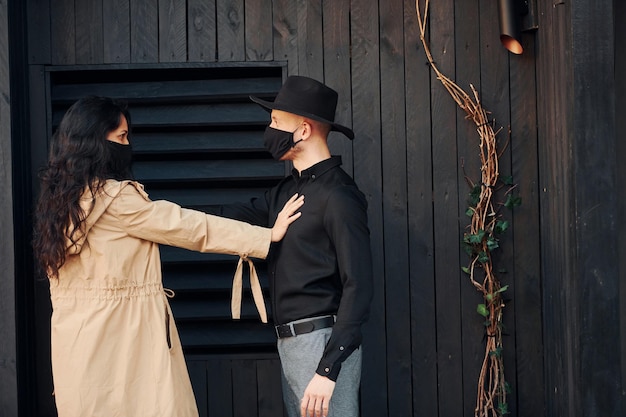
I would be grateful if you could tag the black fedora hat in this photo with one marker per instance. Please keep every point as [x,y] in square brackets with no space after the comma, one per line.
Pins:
[309,98]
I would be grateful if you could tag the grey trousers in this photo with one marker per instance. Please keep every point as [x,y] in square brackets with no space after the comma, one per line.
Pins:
[299,357]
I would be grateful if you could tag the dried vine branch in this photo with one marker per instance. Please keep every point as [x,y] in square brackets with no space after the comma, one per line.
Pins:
[481,239]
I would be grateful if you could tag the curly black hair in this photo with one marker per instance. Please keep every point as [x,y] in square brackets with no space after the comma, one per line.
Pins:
[79,159]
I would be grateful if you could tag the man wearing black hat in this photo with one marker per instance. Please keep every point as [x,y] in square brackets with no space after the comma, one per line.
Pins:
[321,272]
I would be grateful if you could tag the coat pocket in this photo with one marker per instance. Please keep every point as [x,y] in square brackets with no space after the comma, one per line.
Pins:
[167,328]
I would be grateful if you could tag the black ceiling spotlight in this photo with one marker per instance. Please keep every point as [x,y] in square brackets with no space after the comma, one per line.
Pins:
[515,16]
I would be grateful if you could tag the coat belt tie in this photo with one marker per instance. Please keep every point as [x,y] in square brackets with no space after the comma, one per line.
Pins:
[257,293]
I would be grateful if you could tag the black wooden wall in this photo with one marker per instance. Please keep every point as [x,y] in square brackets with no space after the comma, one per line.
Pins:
[620,149]
[8,351]
[413,150]
[577,168]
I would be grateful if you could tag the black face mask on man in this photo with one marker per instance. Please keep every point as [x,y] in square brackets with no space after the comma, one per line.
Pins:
[119,166]
[279,142]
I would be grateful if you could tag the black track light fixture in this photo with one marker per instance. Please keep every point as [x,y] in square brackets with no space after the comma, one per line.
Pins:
[515,16]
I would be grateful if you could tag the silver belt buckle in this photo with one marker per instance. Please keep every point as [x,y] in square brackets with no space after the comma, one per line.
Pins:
[292,331]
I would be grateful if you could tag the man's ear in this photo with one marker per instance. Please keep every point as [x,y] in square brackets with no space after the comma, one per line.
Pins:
[306,130]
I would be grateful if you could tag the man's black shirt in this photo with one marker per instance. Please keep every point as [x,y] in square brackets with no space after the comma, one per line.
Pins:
[323,264]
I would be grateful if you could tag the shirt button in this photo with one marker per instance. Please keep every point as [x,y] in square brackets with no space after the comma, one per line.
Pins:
[313,176]
[326,369]
[340,347]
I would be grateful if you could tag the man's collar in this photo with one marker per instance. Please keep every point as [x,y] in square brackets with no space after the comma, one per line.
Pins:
[320,168]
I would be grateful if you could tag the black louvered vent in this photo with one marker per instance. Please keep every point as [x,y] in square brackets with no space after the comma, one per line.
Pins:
[196,140]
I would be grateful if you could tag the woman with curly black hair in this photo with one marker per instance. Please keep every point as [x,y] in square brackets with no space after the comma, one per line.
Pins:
[115,347]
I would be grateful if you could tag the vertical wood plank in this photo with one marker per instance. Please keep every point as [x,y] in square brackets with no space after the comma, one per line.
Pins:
[245,394]
[310,42]
[620,143]
[558,243]
[336,34]
[63,32]
[595,208]
[269,388]
[8,347]
[367,173]
[220,388]
[258,33]
[230,30]
[202,30]
[172,31]
[528,325]
[445,221]
[420,225]
[89,37]
[468,58]
[116,23]
[285,29]
[39,17]
[394,186]
[144,33]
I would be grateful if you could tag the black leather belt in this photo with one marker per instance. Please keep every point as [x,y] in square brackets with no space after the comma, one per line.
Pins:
[302,327]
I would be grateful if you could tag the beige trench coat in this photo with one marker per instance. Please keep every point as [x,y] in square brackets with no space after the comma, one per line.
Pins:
[115,347]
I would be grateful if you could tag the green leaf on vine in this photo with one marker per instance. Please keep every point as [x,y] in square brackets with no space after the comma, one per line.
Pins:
[469,212]
[478,237]
[483,258]
[465,269]
[474,195]
[492,244]
[501,226]
[482,310]
[512,201]
[497,352]
[507,387]
[507,179]
[503,408]
[503,289]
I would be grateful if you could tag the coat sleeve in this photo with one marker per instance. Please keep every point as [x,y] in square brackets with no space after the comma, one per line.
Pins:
[167,223]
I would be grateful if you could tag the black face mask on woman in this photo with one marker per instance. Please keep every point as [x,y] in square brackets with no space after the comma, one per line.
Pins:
[120,162]
[278,142]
